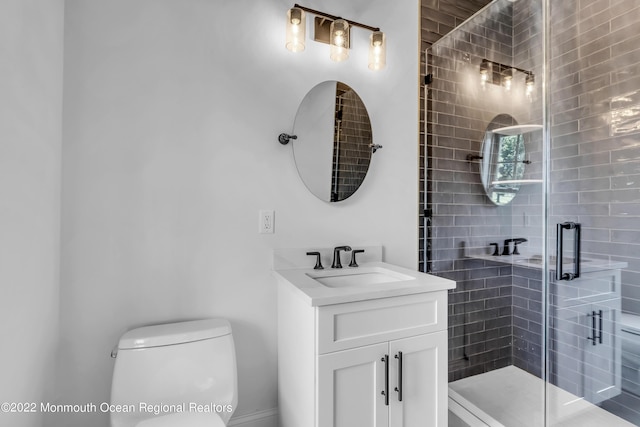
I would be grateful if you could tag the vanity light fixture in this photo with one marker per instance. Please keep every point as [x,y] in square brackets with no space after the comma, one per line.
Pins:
[503,75]
[336,32]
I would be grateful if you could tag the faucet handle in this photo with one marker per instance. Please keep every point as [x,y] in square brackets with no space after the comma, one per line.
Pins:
[318,261]
[496,252]
[353,262]
[507,250]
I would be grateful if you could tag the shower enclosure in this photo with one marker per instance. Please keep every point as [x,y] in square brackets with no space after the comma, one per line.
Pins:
[533,207]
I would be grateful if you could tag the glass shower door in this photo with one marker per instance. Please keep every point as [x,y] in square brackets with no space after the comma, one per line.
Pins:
[593,227]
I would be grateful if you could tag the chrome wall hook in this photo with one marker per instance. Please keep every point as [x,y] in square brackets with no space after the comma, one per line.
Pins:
[284,138]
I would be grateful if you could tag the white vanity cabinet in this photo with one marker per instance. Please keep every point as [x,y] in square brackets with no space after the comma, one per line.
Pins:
[379,362]
[585,335]
[351,384]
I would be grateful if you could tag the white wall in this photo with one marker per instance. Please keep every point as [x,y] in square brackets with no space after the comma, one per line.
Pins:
[171,114]
[31,44]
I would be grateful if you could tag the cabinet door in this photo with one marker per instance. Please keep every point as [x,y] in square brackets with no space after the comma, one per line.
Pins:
[423,381]
[350,385]
[603,360]
[586,350]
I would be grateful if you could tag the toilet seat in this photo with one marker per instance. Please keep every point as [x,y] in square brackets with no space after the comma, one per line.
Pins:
[184,419]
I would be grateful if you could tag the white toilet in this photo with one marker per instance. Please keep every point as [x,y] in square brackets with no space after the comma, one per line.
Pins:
[178,374]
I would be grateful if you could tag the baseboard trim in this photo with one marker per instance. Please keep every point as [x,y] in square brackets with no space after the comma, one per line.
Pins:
[266,418]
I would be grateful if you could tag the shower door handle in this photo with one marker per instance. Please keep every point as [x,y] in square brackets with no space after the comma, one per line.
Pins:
[560,275]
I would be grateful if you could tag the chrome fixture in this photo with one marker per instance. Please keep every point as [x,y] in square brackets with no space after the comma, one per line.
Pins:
[336,32]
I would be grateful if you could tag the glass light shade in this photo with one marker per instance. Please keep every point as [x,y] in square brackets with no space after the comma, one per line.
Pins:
[507,79]
[484,72]
[296,29]
[339,40]
[377,51]
[530,83]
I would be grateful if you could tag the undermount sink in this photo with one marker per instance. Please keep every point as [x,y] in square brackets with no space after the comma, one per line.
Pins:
[358,277]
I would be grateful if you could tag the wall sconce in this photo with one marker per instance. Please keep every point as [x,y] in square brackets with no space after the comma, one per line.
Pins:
[334,31]
[503,75]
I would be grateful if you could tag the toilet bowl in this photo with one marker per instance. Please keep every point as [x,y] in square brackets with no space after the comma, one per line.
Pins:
[630,333]
[177,374]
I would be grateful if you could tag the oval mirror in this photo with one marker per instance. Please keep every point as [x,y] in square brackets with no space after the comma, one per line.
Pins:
[502,159]
[334,141]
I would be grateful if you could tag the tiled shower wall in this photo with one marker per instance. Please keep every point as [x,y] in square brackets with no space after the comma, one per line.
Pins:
[437,18]
[595,169]
[494,313]
[595,118]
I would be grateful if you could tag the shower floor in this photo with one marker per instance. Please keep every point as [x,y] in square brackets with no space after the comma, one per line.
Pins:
[511,397]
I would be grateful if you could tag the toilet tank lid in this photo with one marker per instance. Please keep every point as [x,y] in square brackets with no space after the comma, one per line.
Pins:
[174,333]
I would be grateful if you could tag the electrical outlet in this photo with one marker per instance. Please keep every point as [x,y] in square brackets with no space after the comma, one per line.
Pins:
[266,222]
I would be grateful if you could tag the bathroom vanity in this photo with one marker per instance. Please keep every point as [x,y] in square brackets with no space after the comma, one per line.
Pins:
[363,346]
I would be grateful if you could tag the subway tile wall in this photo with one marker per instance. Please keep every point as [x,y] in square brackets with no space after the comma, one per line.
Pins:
[495,312]
[438,18]
[595,118]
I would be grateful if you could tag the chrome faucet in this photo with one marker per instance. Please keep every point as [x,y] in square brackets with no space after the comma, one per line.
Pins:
[336,255]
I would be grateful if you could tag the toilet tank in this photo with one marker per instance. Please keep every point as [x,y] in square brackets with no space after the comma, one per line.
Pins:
[186,366]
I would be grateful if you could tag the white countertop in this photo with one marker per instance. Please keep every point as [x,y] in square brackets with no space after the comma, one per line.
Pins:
[317,294]
[586,264]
